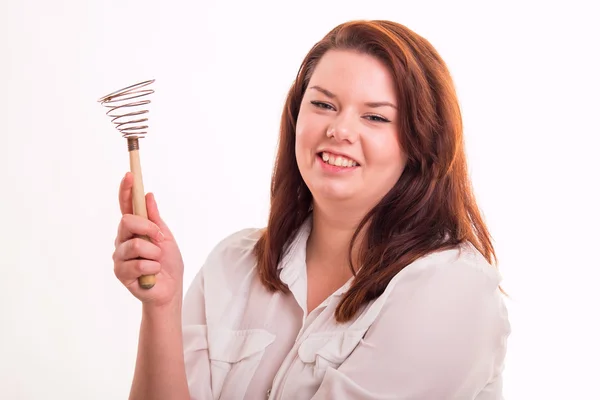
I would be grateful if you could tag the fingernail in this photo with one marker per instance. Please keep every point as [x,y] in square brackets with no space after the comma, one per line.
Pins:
[160,236]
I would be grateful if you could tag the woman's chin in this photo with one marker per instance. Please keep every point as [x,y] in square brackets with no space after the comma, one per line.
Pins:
[335,193]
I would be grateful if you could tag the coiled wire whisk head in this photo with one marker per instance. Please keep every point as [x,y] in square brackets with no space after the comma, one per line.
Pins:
[127,113]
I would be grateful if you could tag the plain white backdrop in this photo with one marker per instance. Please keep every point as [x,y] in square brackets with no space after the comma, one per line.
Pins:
[527,78]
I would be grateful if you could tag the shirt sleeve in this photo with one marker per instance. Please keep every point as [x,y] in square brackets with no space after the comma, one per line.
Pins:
[441,334]
[195,342]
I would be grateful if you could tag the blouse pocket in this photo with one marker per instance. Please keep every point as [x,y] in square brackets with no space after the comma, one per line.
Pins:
[328,350]
[234,356]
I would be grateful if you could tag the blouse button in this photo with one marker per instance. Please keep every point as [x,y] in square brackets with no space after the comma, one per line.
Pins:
[268,393]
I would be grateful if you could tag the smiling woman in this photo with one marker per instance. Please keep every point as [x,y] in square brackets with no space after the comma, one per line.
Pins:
[346,99]
[374,277]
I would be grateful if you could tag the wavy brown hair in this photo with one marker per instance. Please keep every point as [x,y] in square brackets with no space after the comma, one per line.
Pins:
[430,208]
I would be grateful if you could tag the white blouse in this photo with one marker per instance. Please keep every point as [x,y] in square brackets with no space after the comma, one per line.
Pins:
[438,332]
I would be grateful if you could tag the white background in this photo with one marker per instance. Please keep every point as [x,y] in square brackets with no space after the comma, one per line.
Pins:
[527,78]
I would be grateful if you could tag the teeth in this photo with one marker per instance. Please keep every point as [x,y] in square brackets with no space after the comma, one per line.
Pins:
[338,161]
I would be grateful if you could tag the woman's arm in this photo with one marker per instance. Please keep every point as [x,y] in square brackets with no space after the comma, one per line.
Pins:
[160,369]
[173,361]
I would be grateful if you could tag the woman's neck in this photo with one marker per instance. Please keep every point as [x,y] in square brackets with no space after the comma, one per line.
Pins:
[329,240]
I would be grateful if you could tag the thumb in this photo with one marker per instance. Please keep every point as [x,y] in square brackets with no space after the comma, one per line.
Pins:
[154,215]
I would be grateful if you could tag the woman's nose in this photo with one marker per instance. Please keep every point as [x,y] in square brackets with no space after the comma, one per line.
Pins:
[342,130]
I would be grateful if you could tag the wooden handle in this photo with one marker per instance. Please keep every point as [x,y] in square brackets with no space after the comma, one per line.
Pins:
[139,206]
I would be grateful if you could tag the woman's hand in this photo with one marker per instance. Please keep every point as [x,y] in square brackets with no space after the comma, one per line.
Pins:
[134,256]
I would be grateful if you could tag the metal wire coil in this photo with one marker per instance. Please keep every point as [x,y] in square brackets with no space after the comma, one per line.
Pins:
[126,113]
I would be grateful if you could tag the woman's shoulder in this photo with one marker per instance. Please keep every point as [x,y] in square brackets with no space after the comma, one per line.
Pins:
[453,285]
[461,264]
[460,274]
[233,252]
[237,242]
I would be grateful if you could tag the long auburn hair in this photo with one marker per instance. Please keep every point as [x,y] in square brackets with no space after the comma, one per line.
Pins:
[430,208]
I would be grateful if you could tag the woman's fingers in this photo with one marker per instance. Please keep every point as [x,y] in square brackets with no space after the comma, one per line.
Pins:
[154,215]
[126,206]
[129,271]
[135,225]
[125,195]
[136,248]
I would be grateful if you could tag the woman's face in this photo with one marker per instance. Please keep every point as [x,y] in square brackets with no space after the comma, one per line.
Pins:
[347,136]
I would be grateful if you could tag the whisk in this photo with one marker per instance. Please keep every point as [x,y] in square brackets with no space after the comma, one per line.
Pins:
[127,109]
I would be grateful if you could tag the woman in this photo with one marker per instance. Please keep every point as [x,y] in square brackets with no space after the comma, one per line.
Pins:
[373,278]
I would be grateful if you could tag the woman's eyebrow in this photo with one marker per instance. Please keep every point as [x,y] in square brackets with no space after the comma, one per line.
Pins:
[372,104]
[381,104]
[324,91]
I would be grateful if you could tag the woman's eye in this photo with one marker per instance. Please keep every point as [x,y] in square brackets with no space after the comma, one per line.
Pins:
[326,106]
[376,118]
[319,104]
